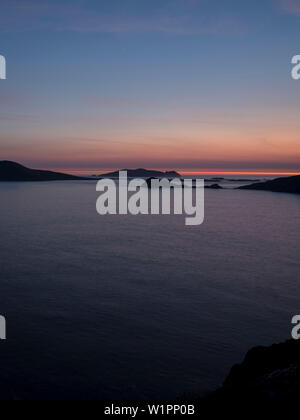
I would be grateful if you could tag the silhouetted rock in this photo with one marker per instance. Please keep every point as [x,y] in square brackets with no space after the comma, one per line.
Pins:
[286,184]
[243,180]
[214,187]
[143,173]
[149,181]
[217,179]
[11,171]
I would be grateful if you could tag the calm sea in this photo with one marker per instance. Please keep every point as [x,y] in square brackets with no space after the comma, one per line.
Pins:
[140,307]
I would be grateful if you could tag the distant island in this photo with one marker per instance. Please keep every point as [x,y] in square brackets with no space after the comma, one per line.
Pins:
[15,172]
[142,173]
[12,171]
[286,184]
[212,186]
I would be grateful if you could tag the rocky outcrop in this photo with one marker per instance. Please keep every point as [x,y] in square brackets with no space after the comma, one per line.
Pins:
[268,376]
[286,184]
[213,186]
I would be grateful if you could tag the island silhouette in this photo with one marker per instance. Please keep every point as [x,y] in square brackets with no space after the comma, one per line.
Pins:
[13,171]
[143,173]
[289,184]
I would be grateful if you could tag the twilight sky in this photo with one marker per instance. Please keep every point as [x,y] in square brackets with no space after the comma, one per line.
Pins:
[195,85]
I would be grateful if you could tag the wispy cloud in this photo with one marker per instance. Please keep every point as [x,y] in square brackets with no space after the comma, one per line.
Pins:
[178,16]
[17,117]
[291,6]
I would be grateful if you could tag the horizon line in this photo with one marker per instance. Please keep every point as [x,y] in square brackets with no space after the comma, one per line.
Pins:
[183,171]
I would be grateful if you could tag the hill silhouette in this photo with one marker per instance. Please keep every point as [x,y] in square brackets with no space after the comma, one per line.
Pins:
[12,171]
[142,173]
[285,184]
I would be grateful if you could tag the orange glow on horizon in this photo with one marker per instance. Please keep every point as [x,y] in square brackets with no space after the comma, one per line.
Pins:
[238,173]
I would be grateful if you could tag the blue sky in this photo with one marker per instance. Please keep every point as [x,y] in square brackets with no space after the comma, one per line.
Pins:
[189,84]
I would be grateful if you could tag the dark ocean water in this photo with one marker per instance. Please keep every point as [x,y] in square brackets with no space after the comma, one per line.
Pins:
[140,307]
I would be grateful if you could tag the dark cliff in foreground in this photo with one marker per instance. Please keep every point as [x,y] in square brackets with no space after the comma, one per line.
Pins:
[11,171]
[269,377]
[287,184]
